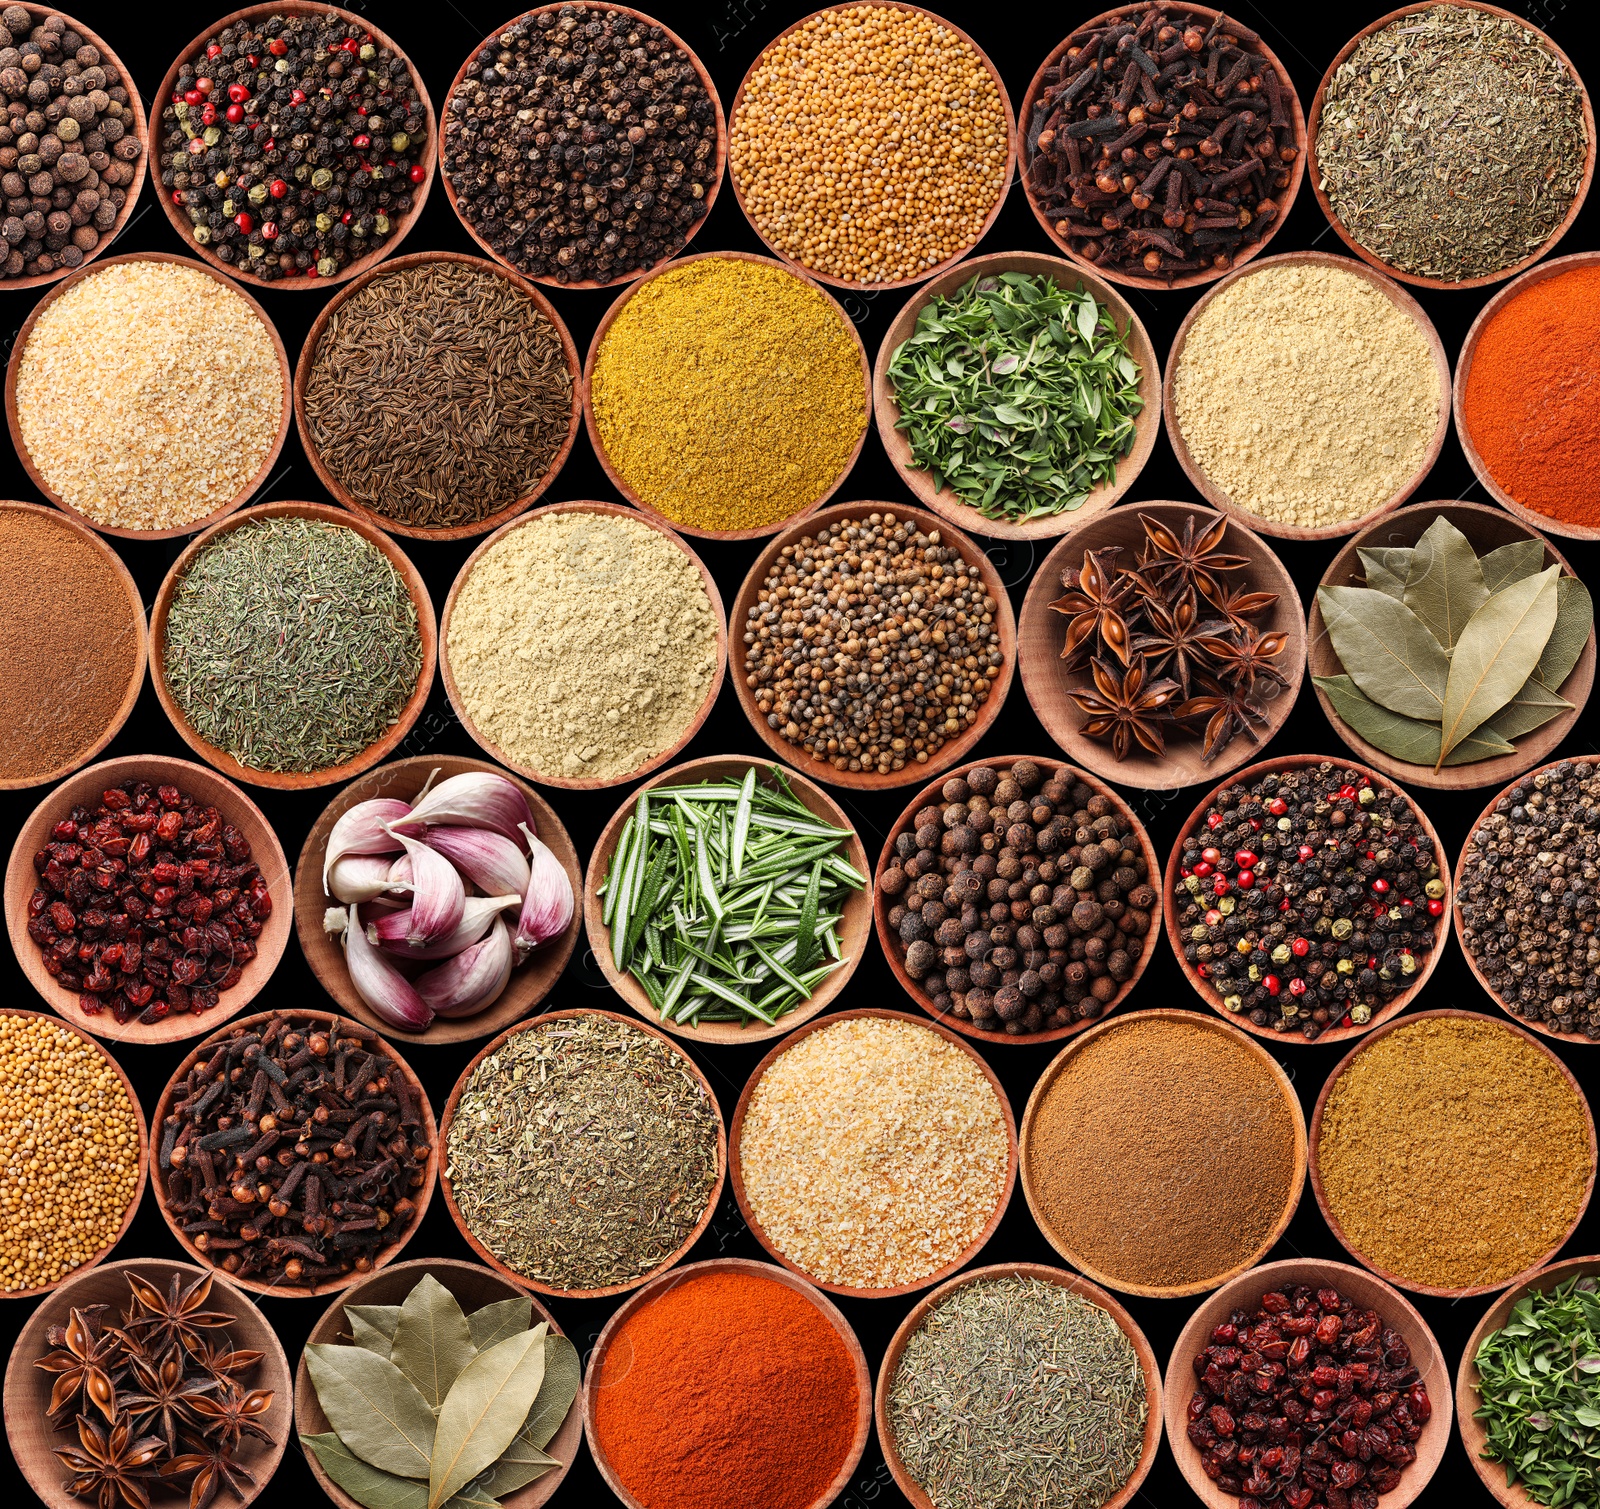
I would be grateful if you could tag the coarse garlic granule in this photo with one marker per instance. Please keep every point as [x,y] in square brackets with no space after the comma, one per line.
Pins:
[873,1153]
[186,394]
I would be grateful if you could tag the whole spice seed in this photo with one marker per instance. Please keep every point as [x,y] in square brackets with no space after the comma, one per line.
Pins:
[188,395]
[295,144]
[1023,903]
[1309,898]
[292,644]
[69,1152]
[1162,144]
[583,1152]
[870,144]
[294,1150]
[68,144]
[874,1153]
[581,144]
[872,644]
[439,394]
[1014,1393]
[148,904]
[1340,1412]
[1485,1184]
[1418,125]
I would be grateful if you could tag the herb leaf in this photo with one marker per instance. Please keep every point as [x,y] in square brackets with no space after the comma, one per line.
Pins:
[505,1317]
[562,1375]
[377,1412]
[382,1318]
[1510,563]
[1533,706]
[364,1483]
[1445,585]
[1387,650]
[1574,623]
[484,1411]
[1387,568]
[432,1342]
[1408,739]
[364,1334]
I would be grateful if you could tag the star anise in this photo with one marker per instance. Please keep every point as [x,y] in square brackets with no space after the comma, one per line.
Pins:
[1096,607]
[110,1465]
[1174,642]
[213,1467]
[1247,658]
[1239,605]
[231,1413]
[1126,707]
[219,1364]
[166,1395]
[175,1318]
[86,1363]
[1188,559]
[1227,710]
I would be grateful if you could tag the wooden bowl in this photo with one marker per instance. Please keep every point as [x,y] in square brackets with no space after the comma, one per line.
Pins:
[473,1288]
[531,981]
[609,1291]
[1434,1290]
[1094,1294]
[1214,495]
[340,493]
[1488,529]
[379,749]
[1315,173]
[1284,201]
[828,1313]
[943,501]
[736,1157]
[403,223]
[458,701]
[1540,522]
[1297,1182]
[593,428]
[711,189]
[27,1393]
[895,953]
[422,1197]
[1473,1435]
[1363,1289]
[141,131]
[1204,989]
[69,524]
[994,209]
[854,926]
[1043,632]
[133,1204]
[953,749]
[204,786]
[13,421]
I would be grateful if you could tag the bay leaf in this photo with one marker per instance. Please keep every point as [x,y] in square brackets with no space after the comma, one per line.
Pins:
[1574,621]
[475,1495]
[1511,563]
[432,1342]
[562,1375]
[1533,706]
[1496,653]
[1408,739]
[382,1318]
[1387,568]
[364,1334]
[484,1411]
[516,1469]
[1481,744]
[374,1407]
[362,1481]
[505,1317]
[1386,650]
[1445,586]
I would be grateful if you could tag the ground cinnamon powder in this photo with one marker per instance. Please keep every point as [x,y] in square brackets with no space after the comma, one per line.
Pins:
[1163,1153]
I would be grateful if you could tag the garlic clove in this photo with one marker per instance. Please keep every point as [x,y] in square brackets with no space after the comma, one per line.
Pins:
[473,979]
[547,906]
[437,894]
[490,860]
[364,830]
[474,799]
[359,877]
[379,983]
[390,932]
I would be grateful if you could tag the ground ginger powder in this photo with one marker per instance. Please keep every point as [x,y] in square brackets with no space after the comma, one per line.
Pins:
[729,394]
[1454,1152]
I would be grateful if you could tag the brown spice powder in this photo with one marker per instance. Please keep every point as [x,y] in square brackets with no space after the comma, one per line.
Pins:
[1163,1153]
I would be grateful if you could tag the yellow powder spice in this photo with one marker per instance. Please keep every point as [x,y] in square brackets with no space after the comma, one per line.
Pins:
[1454,1152]
[729,394]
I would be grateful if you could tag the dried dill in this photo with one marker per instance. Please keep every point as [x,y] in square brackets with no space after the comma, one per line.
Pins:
[292,644]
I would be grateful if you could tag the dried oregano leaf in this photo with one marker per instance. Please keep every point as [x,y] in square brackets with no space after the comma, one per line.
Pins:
[484,1411]
[1445,585]
[374,1407]
[505,1317]
[1496,653]
[1386,650]
[432,1342]
[361,1480]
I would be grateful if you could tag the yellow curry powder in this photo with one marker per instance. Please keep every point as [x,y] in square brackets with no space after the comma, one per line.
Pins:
[729,394]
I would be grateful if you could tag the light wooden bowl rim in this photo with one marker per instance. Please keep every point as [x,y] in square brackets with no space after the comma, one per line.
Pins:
[299,282]
[531,981]
[1285,202]
[381,748]
[1540,523]
[1186,1017]
[952,750]
[855,926]
[308,1409]
[302,383]
[205,786]
[1345,566]
[423,1197]
[592,427]
[1040,634]
[1372,259]
[457,698]
[1147,426]
[208,521]
[712,189]
[136,622]
[1332,1033]
[1062,1278]
[1435,1291]
[930,796]
[752,1269]
[606,1291]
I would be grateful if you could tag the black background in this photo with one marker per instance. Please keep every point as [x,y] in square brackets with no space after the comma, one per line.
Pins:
[727,35]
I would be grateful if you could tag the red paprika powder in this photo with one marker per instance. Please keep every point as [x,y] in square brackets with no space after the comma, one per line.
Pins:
[1532,399]
[726,1390]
